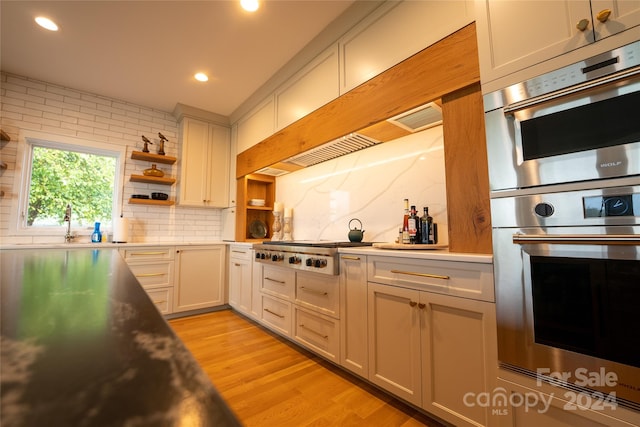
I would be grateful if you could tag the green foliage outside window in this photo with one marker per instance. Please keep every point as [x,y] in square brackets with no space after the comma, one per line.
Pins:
[60,177]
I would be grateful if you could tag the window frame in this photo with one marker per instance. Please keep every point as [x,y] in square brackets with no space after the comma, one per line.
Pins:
[29,139]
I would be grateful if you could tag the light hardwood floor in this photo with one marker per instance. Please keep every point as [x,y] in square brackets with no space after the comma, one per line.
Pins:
[268,381]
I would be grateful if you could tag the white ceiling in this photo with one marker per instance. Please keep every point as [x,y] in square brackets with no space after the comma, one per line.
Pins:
[146,52]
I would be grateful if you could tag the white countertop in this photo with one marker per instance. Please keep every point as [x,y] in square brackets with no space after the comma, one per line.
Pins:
[105,245]
[439,254]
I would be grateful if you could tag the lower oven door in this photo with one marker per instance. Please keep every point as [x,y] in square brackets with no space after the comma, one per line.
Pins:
[568,306]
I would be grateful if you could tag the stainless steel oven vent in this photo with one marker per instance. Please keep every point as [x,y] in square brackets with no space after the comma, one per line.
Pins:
[269,170]
[333,149]
[419,118]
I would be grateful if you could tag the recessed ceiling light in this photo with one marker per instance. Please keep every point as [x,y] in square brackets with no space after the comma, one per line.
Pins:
[201,77]
[250,5]
[46,23]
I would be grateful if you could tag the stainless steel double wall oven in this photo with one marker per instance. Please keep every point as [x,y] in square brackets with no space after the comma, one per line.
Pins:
[564,167]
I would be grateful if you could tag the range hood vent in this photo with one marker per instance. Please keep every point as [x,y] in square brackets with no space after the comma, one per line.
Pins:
[420,118]
[333,149]
[272,171]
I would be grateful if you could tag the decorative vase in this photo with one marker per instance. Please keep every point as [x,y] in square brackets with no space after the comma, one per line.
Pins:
[152,171]
[96,236]
[277,226]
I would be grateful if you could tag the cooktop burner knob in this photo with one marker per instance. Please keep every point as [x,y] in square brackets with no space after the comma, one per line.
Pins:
[320,263]
[262,255]
[294,260]
[309,262]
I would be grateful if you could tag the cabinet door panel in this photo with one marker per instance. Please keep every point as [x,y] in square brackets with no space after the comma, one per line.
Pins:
[200,273]
[195,152]
[353,314]
[624,15]
[312,87]
[257,125]
[394,341]
[218,176]
[459,348]
[514,35]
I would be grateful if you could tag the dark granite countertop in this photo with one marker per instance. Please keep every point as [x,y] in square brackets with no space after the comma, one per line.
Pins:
[83,345]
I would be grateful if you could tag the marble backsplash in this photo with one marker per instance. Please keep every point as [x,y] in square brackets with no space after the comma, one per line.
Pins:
[369,185]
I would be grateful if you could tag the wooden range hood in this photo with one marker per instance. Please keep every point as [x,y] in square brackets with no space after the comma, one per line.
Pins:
[444,67]
[447,71]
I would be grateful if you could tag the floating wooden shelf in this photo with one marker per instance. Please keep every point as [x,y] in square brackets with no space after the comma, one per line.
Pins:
[151,202]
[152,179]
[4,136]
[150,157]
[260,208]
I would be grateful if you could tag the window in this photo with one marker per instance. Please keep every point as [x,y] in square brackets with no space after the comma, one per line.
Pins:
[82,174]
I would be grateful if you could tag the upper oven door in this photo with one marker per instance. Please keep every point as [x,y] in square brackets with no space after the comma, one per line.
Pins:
[582,132]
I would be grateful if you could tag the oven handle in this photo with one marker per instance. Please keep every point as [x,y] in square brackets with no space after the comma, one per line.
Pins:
[520,105]
[578,239]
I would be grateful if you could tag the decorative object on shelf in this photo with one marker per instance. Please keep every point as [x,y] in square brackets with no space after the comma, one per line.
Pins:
[256,202]
[153,171]
[355,234]
[96,236]
[159,196]
[287,229]
[139,196]
[258,229]
[145,149]
[163,139]
[277,226]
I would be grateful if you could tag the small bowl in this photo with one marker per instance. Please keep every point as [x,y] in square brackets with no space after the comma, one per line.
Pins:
[159,196]
[256,202]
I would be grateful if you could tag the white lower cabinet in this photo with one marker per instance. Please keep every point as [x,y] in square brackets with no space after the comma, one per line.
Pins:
[353,314]
[154,269]
[317,332]
[200,277]
[432,350]
[240,280]
[276,315]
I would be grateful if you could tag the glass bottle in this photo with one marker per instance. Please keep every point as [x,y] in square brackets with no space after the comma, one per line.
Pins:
[96,236]
[425,224]
[414,222]
[405,222]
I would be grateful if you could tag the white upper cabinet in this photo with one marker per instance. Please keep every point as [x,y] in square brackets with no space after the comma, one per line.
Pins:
[204,172]
[394,32]
[516,35]
[256,126]
[310,88]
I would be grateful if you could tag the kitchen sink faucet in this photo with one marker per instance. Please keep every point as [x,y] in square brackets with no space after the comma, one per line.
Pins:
[67,218]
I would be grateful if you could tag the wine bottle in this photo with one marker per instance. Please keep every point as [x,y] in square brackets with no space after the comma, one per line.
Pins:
[426,222]
[413,225]
[405,222]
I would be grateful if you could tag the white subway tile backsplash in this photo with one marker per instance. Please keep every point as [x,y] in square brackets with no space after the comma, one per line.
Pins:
[39,106]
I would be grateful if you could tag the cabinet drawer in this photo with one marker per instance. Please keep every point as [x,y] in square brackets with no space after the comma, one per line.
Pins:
[161,297]
[276,314]
[279,282]
[153,275]
[319,292]
[144,254]
[240,252]
[463,279]
[320,334]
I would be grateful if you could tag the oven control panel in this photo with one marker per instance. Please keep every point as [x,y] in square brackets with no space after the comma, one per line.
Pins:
[324,264]
[612,206]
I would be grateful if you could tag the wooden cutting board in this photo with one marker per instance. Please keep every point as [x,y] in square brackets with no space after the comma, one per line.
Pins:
[402,246]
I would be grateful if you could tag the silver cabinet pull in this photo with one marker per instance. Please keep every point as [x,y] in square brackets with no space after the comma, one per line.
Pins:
[160,302]
[146,253]
[314,291]
[411,273]
[351,257]
[313,332]
[275,314]
[239,252]
[150,274]
[274,280]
